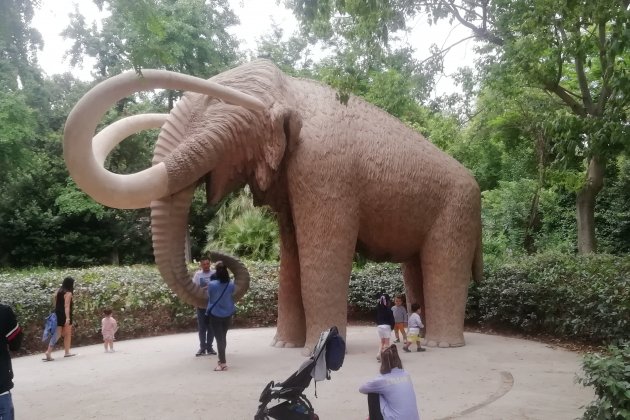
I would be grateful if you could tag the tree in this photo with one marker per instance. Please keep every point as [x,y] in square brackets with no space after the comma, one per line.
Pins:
[188,36]
[292,56]
[576,51]
[18,44]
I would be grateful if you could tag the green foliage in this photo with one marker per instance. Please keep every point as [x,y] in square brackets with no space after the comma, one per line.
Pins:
[18,44]
[609,374]
[292,56]
[141,301]
[508,222]
[16,127]
[244,230]
[259,307]
[580,297]
[613,210]
[188,36]
[583,298]
[368,282]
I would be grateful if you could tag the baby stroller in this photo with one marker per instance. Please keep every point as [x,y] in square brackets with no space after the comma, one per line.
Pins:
[327,355]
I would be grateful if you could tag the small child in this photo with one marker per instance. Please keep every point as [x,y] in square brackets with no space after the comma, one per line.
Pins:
[415,324]
[400,317]
[109,326]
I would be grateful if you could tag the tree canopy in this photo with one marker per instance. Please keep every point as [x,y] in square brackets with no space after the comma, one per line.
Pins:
[541,120]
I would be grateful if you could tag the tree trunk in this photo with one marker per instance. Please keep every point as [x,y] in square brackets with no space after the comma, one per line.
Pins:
[115,257]
[187,253]
[586,206]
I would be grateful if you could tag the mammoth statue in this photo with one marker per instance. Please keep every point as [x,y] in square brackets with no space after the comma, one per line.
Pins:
[340,177]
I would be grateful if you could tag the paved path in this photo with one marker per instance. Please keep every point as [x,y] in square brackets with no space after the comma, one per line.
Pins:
[490,378]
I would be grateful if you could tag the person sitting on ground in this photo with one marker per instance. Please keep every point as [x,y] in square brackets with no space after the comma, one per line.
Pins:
[391,395]
[415,326]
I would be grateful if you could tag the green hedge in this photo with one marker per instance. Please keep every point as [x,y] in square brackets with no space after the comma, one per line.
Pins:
[142,303]
[585,298]
[609,374]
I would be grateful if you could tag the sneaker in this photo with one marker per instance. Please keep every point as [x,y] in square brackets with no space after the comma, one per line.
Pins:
[421,349]
[201,352]
[406,350]
[211,351]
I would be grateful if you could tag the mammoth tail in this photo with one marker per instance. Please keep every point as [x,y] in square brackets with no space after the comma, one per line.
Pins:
[477,267]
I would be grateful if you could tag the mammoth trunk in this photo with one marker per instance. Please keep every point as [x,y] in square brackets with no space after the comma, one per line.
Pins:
[169,224]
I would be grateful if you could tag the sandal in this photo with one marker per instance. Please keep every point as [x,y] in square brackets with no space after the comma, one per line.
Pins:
[48,359]
[69,355]
[220,368]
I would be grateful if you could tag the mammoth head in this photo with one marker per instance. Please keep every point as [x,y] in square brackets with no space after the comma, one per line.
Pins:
[217,133]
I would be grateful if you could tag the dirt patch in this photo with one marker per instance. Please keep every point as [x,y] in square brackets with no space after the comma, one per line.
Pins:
[551,341]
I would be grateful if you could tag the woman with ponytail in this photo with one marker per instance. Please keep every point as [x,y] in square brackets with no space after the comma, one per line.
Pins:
[391,395]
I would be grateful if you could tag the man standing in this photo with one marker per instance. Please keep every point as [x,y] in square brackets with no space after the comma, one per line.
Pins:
[10,339]
[202,279]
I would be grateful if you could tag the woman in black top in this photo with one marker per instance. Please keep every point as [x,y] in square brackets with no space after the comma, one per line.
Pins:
[384,322]
[63,310]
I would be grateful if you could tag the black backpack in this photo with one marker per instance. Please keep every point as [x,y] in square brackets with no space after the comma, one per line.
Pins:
[335,350]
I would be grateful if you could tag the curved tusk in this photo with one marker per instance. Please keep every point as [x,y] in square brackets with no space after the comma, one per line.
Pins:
[109,137]
[134,190]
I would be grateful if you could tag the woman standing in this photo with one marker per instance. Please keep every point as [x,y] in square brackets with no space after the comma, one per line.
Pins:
[220,309]
[63,311]
[384,322]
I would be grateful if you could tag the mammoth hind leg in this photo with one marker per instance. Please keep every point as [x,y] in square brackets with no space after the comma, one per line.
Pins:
[446,271]
[412,276]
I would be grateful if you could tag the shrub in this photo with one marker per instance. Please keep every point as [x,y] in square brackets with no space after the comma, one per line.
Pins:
[583,297]
[368,282]
[609,375]
[142,303]
[587,298]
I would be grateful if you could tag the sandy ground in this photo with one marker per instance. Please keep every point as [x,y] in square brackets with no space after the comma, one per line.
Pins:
[490,378]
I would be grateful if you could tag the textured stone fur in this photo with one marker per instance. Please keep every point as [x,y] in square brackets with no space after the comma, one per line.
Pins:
[340,178]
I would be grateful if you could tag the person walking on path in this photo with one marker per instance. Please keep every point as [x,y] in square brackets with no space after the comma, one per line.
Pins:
[206,335]
[63,311]
[10,339]
[384,322]
[400,318]
[391,395]
[109,326]
[220,309]
[415,325]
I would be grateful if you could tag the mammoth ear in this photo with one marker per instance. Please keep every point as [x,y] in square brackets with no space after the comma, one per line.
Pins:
[285,129]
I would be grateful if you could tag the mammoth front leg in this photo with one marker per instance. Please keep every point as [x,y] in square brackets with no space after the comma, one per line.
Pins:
[326,242]
[291,326]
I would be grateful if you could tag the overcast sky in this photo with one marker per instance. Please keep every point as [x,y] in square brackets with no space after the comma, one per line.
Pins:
[256,17]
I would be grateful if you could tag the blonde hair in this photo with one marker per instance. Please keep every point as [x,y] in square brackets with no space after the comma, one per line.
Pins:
[390,359]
